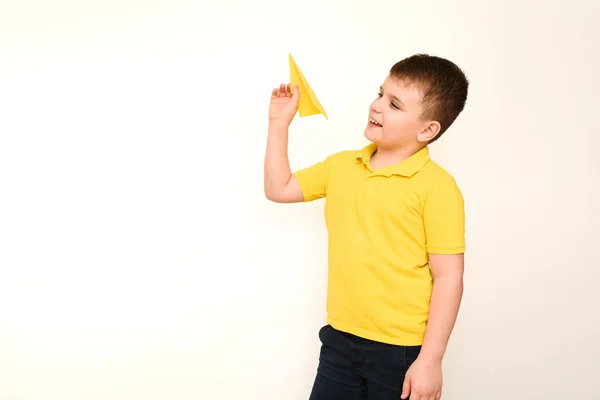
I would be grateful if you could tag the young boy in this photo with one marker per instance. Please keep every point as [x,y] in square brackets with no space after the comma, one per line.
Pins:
[395,221]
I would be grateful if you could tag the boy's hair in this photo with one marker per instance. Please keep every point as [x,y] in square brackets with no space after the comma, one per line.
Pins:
[443,84]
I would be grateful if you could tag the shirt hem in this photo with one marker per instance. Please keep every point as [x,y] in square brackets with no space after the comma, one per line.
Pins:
[446,250]
[408,340]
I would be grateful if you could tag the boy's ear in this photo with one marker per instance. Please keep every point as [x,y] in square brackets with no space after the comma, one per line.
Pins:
[429,132]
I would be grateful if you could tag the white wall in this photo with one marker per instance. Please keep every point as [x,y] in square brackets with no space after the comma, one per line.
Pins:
[139,259]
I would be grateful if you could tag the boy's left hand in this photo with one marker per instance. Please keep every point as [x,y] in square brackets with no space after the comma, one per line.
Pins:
[423,380]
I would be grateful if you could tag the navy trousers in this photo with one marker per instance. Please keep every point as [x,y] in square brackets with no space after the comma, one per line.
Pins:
[353,368]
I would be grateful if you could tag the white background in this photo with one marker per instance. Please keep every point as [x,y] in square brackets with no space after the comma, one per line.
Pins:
[140,260]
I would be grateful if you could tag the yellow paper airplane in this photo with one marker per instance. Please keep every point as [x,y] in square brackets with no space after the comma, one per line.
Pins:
[309,104]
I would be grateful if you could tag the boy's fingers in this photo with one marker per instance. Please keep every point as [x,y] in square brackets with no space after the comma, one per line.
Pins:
[296,93]
[405,389]
[296,96]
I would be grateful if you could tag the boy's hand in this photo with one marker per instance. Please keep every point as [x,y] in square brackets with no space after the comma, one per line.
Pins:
[423,380]
[284,105]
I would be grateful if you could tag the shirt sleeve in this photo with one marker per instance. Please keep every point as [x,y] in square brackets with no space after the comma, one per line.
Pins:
[444,218]
[313,180]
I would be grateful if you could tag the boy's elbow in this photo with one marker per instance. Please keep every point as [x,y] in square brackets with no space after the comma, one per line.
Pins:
[284,195]
[269,196]
[273,195]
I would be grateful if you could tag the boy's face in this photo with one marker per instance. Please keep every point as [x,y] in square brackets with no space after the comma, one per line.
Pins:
[396,112]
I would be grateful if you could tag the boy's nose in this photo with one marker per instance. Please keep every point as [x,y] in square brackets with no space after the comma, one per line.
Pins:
[376,105]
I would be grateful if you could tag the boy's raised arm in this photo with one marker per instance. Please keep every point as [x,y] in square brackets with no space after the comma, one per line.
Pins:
[280,184]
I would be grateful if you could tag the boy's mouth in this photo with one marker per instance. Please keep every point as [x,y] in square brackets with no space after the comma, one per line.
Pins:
[373,122]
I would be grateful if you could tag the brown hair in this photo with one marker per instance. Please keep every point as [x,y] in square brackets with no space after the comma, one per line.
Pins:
[443,84]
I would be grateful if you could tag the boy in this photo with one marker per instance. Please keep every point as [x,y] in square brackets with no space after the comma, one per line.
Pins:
[395,221]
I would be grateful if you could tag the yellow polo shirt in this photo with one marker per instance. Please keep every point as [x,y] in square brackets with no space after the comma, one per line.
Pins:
[382,225]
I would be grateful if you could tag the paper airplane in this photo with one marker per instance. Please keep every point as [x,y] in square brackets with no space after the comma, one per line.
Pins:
[309,104]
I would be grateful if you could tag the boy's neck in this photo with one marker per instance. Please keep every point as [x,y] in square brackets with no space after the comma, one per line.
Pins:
[386,157]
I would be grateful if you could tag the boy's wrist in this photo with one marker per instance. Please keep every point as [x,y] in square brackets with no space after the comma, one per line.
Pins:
[431,355]
[278,125]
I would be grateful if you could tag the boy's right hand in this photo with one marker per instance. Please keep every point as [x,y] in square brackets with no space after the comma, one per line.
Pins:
[284,105]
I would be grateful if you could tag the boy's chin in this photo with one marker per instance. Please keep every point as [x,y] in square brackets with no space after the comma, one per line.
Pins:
[370,136]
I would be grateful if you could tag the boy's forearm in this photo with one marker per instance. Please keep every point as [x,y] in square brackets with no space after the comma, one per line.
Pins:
[443,311]
[277,166]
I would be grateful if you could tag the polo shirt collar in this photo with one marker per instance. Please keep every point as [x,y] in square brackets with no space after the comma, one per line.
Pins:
[408,167]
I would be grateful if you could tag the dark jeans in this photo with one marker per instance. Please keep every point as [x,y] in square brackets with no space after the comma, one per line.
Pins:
[353,368]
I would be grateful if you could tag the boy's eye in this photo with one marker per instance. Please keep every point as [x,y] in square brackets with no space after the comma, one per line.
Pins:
[379,94]
[395,106]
